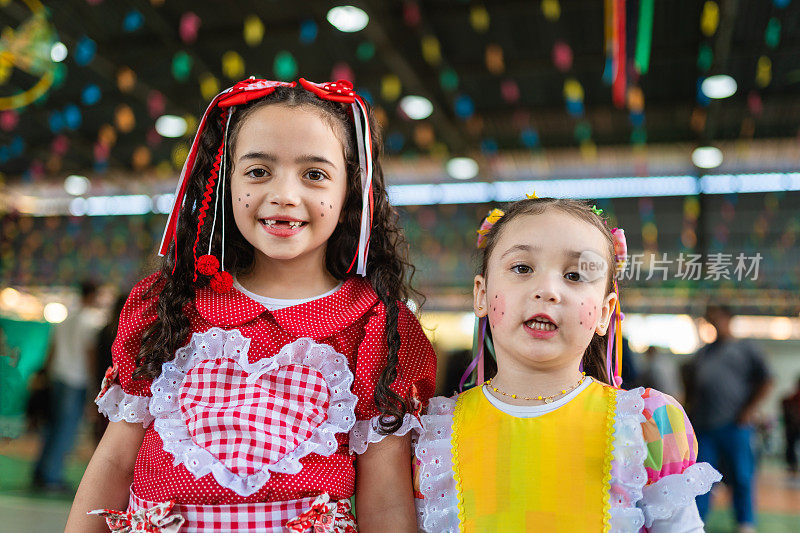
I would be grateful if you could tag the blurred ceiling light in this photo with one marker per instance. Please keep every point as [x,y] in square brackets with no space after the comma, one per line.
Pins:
[462,168]
[171,126]
[348,19]
[55,312]
[58,52]
[707,157]
[720,86]
[10,297]
[416,107]
[781,328]
[76,185]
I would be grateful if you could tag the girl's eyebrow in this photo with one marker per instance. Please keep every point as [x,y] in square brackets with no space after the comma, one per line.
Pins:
[305,158]
[570,254]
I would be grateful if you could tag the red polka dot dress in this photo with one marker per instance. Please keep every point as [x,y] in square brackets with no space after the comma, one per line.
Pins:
[258,405]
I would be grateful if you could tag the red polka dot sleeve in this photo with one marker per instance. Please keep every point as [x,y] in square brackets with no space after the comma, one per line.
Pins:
[137,315]
[416,367]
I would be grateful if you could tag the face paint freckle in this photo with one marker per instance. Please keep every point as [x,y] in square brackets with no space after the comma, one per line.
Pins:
[247,205]
[248,195]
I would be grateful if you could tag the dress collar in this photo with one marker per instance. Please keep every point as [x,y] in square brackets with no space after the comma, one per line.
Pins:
[317,319]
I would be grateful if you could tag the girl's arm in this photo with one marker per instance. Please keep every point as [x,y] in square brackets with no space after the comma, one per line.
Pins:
[108,477]
[384,493]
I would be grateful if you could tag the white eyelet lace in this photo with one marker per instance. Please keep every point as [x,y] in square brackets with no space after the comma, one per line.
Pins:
[117,405]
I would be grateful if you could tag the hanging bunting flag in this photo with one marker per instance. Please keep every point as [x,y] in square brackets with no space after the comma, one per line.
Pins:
[188,27]
[390,87]
[705,57]
[619,84]
[232,65]
[253,30]
[133,21]
[411,14]
[644,36]
[126,79]
[181,65]
[365,51]
[562,56]
[509,90]
[284,66]
[772,35]
[209,86]
[448,79]
[431,50]
[551,10]
[494,59]
[308,31]
[709,18]
[479,18]
[342,71]
[763,71]
[124,118]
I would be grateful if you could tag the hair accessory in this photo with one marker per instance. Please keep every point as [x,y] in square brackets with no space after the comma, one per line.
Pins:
[620,250]
[532,196]
[597,211]
[545,399]
[490,220]
[241,93]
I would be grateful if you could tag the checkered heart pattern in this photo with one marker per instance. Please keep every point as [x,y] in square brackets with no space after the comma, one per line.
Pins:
[247,421]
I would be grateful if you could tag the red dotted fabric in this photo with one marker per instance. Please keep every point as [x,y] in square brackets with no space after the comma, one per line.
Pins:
[352,321]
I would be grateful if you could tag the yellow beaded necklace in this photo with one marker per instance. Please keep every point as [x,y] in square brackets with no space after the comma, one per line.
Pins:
[545,399]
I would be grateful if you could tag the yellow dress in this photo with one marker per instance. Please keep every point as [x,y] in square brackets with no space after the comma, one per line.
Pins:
[550,473]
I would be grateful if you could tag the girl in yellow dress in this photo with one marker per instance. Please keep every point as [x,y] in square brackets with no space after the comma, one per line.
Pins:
[551,443]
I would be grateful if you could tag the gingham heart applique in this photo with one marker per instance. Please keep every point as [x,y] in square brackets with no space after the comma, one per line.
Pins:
[249,421]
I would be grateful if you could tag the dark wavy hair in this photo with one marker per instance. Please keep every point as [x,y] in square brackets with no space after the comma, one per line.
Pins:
[594,358]
[388,269]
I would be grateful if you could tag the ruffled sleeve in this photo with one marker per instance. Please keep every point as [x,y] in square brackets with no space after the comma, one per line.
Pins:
[416,374]
[121,397]
[674,478]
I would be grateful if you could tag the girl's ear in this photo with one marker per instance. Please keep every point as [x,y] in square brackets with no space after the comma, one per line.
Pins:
[479,297]
[606,314]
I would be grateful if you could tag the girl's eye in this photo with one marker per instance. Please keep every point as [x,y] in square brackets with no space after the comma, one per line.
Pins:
[257,173]
[521,269]
[573,276]
[315,175]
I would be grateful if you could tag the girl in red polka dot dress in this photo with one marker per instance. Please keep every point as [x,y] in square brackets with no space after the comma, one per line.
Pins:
[270,370]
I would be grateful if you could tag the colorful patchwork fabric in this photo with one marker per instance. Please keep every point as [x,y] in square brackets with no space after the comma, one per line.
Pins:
[670,438]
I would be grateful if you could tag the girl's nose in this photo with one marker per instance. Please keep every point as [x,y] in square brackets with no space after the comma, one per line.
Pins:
[283,192]
[545,290]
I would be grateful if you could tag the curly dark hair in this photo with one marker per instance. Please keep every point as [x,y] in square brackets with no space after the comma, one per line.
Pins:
[388,269]
[594,358]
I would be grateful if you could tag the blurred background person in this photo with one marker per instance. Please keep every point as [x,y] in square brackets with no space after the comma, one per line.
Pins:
[102,359]
[728,380]
[70,369]
[659,373]
[791,425]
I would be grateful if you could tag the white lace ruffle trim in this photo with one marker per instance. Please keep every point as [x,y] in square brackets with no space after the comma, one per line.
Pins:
[628,474]
[117,405]
[438,511]
[670,493]
[365,432]
[218,343]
